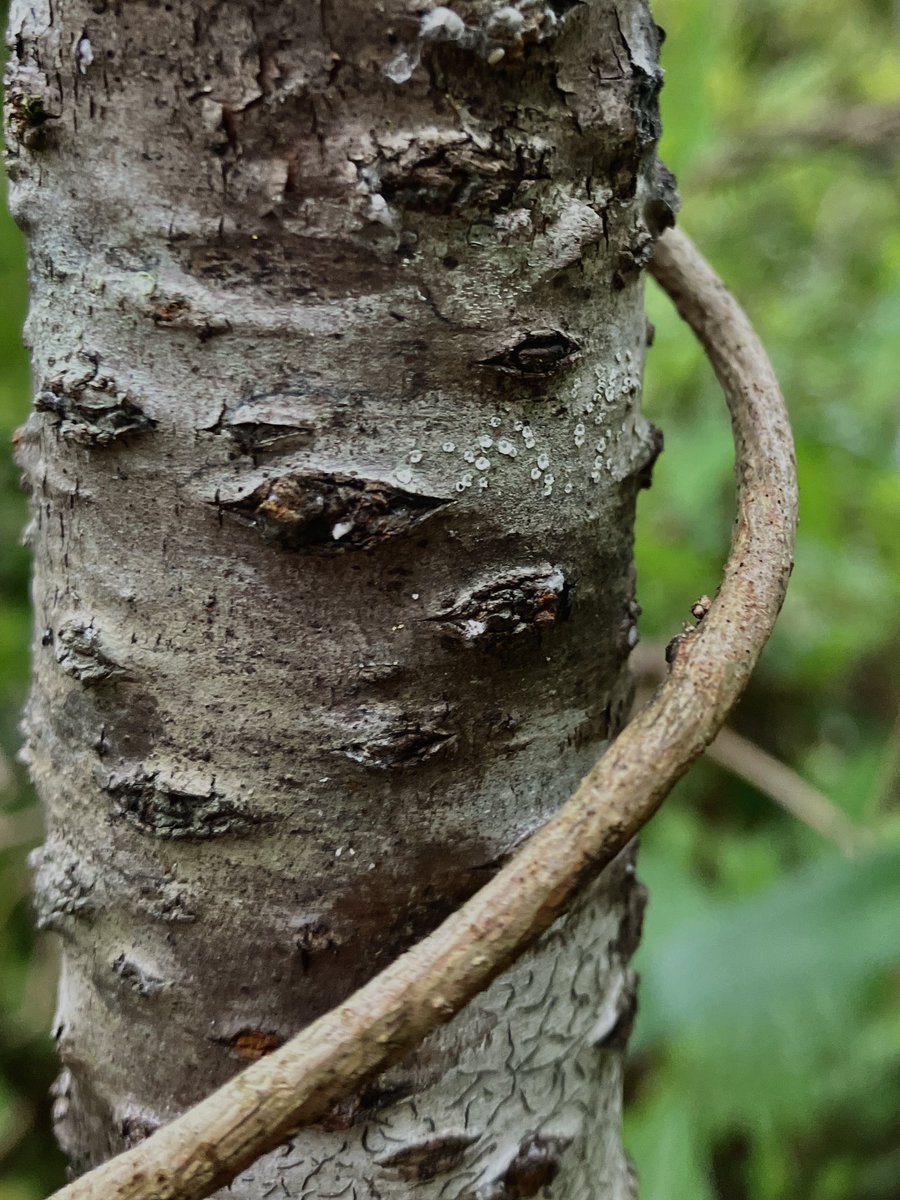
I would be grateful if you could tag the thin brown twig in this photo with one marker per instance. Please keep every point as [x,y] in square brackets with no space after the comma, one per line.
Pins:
[771,777]
[19,1121]
[884,790]
[869,130]
[259,1108]
[788,790]
[7,777]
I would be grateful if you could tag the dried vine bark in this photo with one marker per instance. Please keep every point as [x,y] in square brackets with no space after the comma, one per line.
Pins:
[710,664]
[338,336]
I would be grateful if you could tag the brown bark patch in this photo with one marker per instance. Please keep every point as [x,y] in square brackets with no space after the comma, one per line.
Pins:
[434,1155]
[535,1166]
[527,602]
[173,311]
[332,513]
[250,1045]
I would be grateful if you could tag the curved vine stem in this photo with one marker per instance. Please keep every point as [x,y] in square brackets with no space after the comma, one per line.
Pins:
[258,1109]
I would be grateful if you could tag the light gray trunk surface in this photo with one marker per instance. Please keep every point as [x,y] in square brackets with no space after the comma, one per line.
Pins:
[338,337]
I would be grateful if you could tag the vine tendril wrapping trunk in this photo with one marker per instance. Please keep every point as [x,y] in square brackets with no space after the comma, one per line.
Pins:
[258,1109]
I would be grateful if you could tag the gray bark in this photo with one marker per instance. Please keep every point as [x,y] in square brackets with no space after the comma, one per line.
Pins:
[338,336]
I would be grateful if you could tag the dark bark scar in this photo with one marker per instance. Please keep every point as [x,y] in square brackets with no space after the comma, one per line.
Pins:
[318,511]
[435,1155]
[530,601]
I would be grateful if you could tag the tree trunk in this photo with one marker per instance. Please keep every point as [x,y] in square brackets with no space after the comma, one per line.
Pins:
[338,336]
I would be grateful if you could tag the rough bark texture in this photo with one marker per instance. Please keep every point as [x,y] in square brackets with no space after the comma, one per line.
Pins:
[338,337]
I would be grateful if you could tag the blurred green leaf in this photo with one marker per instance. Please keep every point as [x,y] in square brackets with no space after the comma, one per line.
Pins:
[836,923]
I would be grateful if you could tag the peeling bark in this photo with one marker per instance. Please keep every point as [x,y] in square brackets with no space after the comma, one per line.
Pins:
[338,338]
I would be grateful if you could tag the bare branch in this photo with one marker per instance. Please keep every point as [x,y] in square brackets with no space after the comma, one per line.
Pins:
[869,130]
[258,1109]
[7,778]
[788,790]
[888,774]
[773,778]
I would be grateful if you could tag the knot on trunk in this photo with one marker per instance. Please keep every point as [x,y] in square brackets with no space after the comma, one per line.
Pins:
[79,653]
[388,740]
[93,412]
[425,1158]
[152,807]
[537,355]
[529,601]
[313,510]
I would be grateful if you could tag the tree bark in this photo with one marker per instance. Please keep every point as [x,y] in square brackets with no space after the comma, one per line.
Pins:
[338,335]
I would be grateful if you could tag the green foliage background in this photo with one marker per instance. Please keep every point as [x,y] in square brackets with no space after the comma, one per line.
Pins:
[766,1057]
